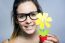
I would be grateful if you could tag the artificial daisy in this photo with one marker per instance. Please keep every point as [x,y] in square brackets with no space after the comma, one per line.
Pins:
[43,21]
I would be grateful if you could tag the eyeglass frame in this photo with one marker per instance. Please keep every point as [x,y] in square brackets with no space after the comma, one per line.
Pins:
[26,15]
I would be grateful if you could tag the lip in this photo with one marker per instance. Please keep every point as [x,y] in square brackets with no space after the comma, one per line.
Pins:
[29,27]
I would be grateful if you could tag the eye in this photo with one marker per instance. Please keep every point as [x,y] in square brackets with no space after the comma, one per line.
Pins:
[21,16]
[33,14]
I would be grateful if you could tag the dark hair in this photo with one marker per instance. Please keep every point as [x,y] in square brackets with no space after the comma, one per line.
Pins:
[14,15]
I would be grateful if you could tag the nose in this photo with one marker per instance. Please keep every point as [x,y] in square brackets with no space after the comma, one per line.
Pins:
[28,20]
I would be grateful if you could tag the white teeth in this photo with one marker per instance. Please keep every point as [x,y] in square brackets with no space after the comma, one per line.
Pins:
[29,27]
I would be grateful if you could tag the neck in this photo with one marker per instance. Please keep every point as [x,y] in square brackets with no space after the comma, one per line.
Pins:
[28,36]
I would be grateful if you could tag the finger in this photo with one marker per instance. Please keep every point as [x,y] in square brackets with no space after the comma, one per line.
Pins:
[51,35]
[47,41]
[52,39]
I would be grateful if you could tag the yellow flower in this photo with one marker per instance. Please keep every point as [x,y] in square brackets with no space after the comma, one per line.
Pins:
[43,20]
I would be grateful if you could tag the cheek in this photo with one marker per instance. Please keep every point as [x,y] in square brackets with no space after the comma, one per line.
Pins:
[21,23]
[34,21]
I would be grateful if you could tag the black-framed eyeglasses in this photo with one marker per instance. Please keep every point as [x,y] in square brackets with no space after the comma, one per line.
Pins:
[22,16]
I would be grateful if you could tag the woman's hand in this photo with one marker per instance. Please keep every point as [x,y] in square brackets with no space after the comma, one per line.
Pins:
[51,39]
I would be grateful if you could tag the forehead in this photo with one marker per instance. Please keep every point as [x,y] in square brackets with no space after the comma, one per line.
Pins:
[26,7]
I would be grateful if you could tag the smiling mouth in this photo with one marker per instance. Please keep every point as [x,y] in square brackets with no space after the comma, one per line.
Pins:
[29,27]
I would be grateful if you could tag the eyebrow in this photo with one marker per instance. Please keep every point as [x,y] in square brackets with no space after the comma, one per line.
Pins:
[26,13]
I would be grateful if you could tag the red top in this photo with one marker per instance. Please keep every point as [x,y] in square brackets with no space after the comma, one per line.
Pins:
[43,38]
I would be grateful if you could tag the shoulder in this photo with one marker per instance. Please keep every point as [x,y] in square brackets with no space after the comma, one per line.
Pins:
[5,41]
[9,41]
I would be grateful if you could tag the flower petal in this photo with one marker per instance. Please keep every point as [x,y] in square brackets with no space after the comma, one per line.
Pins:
[49,19]
[39,15]
[42,25]
[48,25]
[38,21]
[45,15]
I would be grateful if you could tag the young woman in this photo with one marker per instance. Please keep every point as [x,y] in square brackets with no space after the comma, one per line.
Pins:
[24,17]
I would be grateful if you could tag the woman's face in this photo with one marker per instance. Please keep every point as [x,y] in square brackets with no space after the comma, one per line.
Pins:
[27,9]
